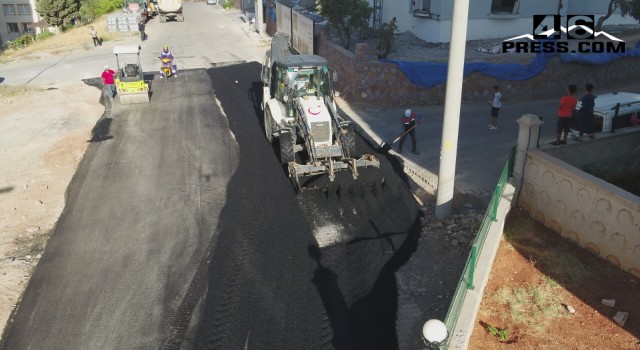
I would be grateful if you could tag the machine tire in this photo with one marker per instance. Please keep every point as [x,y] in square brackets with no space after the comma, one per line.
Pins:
[348,141]
[268,125]
[287,153]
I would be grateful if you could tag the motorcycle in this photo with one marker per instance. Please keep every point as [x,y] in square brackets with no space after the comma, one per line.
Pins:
[166,68]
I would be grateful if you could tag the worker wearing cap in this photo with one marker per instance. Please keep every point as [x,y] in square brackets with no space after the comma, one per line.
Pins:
[108,81]
[408,127]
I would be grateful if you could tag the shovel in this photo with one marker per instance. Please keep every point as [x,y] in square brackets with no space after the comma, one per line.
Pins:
[386,147]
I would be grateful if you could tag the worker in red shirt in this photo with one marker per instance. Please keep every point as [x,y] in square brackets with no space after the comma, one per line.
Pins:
[565,111]
[108,81]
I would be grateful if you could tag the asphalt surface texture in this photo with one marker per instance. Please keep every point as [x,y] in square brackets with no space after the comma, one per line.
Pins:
[138,223]
[302,271]
[182,230]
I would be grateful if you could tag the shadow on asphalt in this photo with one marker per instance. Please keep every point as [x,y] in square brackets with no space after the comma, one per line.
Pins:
[102,129]
[358,322]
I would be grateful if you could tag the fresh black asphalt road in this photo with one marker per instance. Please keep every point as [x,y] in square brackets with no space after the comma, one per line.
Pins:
[139,219]
[182,230]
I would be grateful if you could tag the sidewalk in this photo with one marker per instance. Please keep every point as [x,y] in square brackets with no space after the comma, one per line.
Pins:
[482,153]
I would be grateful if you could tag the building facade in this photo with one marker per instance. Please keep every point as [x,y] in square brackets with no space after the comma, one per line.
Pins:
[430,20]
[15,18]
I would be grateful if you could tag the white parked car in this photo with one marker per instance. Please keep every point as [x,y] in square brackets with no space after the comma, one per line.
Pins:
[626,103]
[212,2]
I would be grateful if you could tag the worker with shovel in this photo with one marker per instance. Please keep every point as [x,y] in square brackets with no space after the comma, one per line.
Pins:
[408,128]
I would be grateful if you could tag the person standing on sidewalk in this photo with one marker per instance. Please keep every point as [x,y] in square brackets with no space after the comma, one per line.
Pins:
[143,35]
[108,81]
[94,35]
[565,111]
[585,116]
[496,104]
[408,127]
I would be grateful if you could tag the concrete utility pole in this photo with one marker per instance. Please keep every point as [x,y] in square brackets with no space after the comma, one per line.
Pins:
[453,99]
[258,17]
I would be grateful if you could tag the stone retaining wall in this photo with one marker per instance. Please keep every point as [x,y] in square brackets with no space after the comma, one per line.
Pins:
[362,78]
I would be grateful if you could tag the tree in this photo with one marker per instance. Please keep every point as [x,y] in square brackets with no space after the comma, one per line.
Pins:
[385,38]
[58,12]
[92,9]
[627,7]
[346,16]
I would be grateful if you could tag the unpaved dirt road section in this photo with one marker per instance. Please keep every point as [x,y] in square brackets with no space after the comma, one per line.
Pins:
[44,136]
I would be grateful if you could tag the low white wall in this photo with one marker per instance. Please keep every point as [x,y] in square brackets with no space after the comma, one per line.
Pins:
[585,209]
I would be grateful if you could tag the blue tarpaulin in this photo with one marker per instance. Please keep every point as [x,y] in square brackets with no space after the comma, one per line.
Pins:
[429,74]
[599,58]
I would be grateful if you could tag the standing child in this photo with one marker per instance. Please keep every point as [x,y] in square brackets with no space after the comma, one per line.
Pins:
[567,106]
[496,104]
[585,121]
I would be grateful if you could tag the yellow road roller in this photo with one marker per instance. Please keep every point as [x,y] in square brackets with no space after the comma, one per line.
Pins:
[129,79]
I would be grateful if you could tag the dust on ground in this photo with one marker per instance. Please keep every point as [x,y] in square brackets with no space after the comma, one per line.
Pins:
[44,137]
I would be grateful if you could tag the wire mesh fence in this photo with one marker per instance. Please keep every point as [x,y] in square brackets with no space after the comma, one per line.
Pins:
[467,279]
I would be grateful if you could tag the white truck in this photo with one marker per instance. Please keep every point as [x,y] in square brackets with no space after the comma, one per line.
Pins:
[170,10]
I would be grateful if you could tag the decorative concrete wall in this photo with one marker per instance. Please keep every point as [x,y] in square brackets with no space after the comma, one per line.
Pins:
[587,210]
[364,79]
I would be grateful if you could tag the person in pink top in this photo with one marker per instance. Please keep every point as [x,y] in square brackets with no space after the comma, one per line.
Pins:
[108,81]
[567,105]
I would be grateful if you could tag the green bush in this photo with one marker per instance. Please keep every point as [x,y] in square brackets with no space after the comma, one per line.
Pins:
[44,35]
[92,9]
[228,4]
[385,38]
[22,41]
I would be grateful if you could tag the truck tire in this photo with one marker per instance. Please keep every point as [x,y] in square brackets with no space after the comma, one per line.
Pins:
[268,125]
[287,154]
[180,18]
[163,18]
[348,141]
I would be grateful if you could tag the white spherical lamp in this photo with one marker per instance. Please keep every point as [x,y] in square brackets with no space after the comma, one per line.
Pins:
[434,333]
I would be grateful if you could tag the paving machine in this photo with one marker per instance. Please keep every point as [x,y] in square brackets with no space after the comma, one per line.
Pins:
[300,111]
[129,79]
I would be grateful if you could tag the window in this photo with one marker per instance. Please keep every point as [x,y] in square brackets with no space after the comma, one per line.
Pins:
[504,6]
[420,5]
[26,28]
[13,28]
[422,9]
[24,9]
[9,10]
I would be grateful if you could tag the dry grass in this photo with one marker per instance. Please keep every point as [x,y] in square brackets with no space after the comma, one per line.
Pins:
[10,91]
[535,306]
[73,39]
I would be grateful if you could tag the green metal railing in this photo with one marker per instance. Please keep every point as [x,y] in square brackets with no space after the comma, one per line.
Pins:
[466,280]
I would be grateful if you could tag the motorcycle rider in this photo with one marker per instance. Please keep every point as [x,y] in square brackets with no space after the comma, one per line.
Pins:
[166,53]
